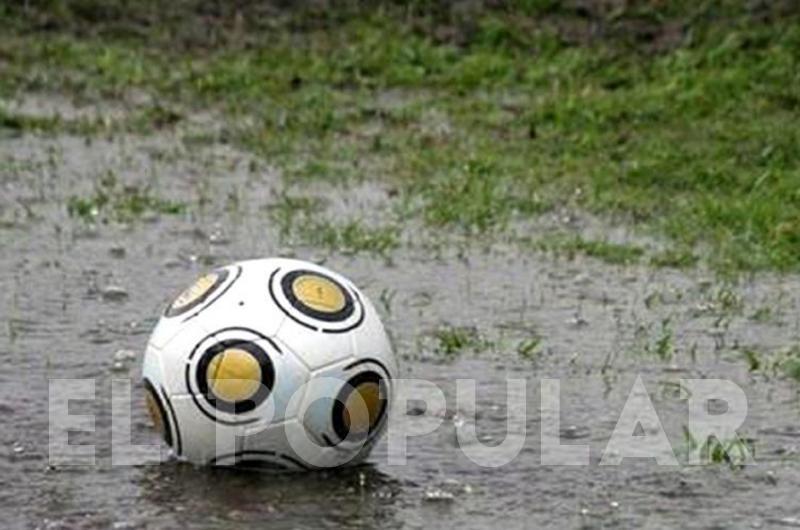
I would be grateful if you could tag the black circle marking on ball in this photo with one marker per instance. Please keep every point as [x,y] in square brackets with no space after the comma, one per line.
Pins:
[277,303]
[218,296]
[236,407]
[188,376]
[306,324]
[172,311]
[162,413]
[337,418]
[342,314]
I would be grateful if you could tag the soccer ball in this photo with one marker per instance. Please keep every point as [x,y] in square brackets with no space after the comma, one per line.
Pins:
[275,363]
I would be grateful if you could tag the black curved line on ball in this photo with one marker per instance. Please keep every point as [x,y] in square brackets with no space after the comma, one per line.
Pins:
[368,443]
[355,324]
[264,389]
[371,361]
[225,290]
[337,316]
[277,303]
[234,328]
[162,412]
[178,446]
[299,463]
[241,461]
[220,420]
[237,457]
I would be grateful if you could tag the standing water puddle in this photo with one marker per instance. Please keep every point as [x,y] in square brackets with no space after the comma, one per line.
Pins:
[79,300]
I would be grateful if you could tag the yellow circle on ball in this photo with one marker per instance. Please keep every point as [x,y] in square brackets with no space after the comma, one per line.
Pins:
[196,290]
[234,375]
[362,407]
[318,293]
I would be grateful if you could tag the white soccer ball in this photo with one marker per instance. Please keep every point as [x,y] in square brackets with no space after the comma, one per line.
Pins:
[271,362]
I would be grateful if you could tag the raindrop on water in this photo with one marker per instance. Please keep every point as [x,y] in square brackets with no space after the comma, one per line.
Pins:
[114,293]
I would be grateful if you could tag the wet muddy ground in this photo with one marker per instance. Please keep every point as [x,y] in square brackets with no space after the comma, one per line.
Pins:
[74,293]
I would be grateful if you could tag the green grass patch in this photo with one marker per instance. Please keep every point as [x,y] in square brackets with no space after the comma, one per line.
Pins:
[657,340]
[530,348]
[735,453]
[689,135]
[781,363]
[613,253]
[791,365]
[302,219]
[451,341]
[18,123]
[350,237]
[24,122]
[674,258]
[112,201]
[753,358]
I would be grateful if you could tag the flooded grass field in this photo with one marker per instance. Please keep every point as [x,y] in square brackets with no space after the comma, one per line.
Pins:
[77,293]
[118,189]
